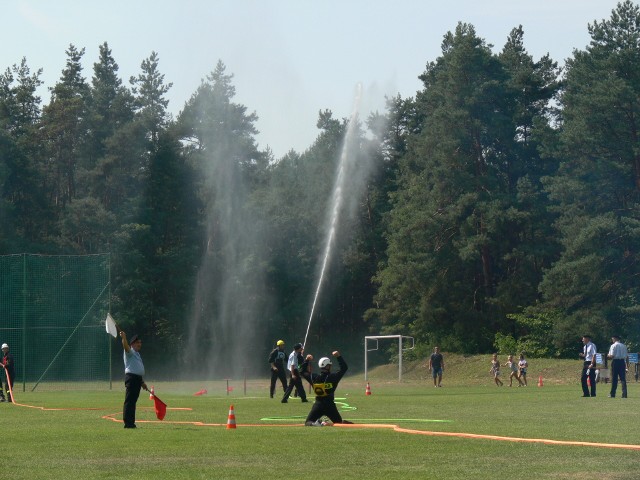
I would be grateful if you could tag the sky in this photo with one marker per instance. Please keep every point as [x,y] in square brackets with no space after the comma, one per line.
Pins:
[289,59]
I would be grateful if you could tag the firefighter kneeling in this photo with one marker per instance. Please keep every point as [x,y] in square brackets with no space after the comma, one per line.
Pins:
[324,385]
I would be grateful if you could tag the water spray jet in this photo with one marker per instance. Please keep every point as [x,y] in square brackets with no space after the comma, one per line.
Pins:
[347,159]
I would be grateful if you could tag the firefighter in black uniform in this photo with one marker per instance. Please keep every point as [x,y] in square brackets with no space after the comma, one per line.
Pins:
[324,385]
[277,358]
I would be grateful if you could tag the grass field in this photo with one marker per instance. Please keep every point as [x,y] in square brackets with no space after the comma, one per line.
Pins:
[84,439]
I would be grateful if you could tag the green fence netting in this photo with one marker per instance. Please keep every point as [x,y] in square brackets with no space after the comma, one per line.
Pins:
[52,316]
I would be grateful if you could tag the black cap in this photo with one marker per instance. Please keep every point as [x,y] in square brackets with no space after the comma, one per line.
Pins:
[297,346]
[134,339]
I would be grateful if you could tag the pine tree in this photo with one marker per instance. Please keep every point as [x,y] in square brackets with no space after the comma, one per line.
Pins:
[461,238]
[597,190]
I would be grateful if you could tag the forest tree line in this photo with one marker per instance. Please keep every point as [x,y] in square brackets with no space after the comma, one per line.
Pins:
[502,211]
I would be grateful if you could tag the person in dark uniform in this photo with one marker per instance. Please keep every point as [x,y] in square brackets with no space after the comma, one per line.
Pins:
[277,359]
[324,385]
[9,372]
[295,380]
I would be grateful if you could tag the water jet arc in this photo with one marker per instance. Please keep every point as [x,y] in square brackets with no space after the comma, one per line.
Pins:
[338,197]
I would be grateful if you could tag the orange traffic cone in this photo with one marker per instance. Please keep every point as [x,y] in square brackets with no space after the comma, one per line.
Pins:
[368,390]
[540,383]
[231,421]
[151,393]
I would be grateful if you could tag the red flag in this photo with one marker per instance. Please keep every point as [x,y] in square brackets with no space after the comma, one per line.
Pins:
[161,407]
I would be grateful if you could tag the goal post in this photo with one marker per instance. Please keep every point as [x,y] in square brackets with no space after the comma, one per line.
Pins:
[404,343]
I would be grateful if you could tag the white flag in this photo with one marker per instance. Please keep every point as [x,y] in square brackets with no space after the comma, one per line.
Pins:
[110,324]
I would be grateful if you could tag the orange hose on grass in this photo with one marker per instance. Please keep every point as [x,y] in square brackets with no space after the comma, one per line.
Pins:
[476,436]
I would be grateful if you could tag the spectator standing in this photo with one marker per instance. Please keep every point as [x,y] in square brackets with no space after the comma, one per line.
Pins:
[436,366]
[588,366]
[619,365]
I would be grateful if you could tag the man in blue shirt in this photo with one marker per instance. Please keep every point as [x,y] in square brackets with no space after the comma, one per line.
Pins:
[133,382]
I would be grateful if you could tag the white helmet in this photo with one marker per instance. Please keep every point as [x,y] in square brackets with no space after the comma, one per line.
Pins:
[323,362]
[4,345]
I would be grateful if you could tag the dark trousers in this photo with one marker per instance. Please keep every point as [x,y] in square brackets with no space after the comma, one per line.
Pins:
[324,407]
[618,369]
[297,383]
[9,382]
[275,375]
[592,380]
[132,384]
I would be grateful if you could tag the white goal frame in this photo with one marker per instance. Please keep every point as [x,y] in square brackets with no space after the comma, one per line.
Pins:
[401,348]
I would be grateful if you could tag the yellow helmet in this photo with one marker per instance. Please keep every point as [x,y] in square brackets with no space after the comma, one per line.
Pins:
[280,342]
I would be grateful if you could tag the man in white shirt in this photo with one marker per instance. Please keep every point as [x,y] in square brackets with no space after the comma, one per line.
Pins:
[619,356]
[133,382]
[295,359]
[588,367]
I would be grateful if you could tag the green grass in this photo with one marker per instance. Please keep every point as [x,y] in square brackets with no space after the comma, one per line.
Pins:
[83,444]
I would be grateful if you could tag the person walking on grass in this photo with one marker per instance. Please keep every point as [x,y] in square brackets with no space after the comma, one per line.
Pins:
[495,370]
[588,366]
[133,382]
[522,369]
[436,366]
[619,366]
[296,380]
[513,369]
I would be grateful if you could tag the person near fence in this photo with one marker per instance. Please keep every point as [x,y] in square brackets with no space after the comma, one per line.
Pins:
[619,365]
[9,371]
[588,378]
[133,381]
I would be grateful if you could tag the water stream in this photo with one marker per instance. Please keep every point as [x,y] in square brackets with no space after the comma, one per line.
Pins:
[347,159]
